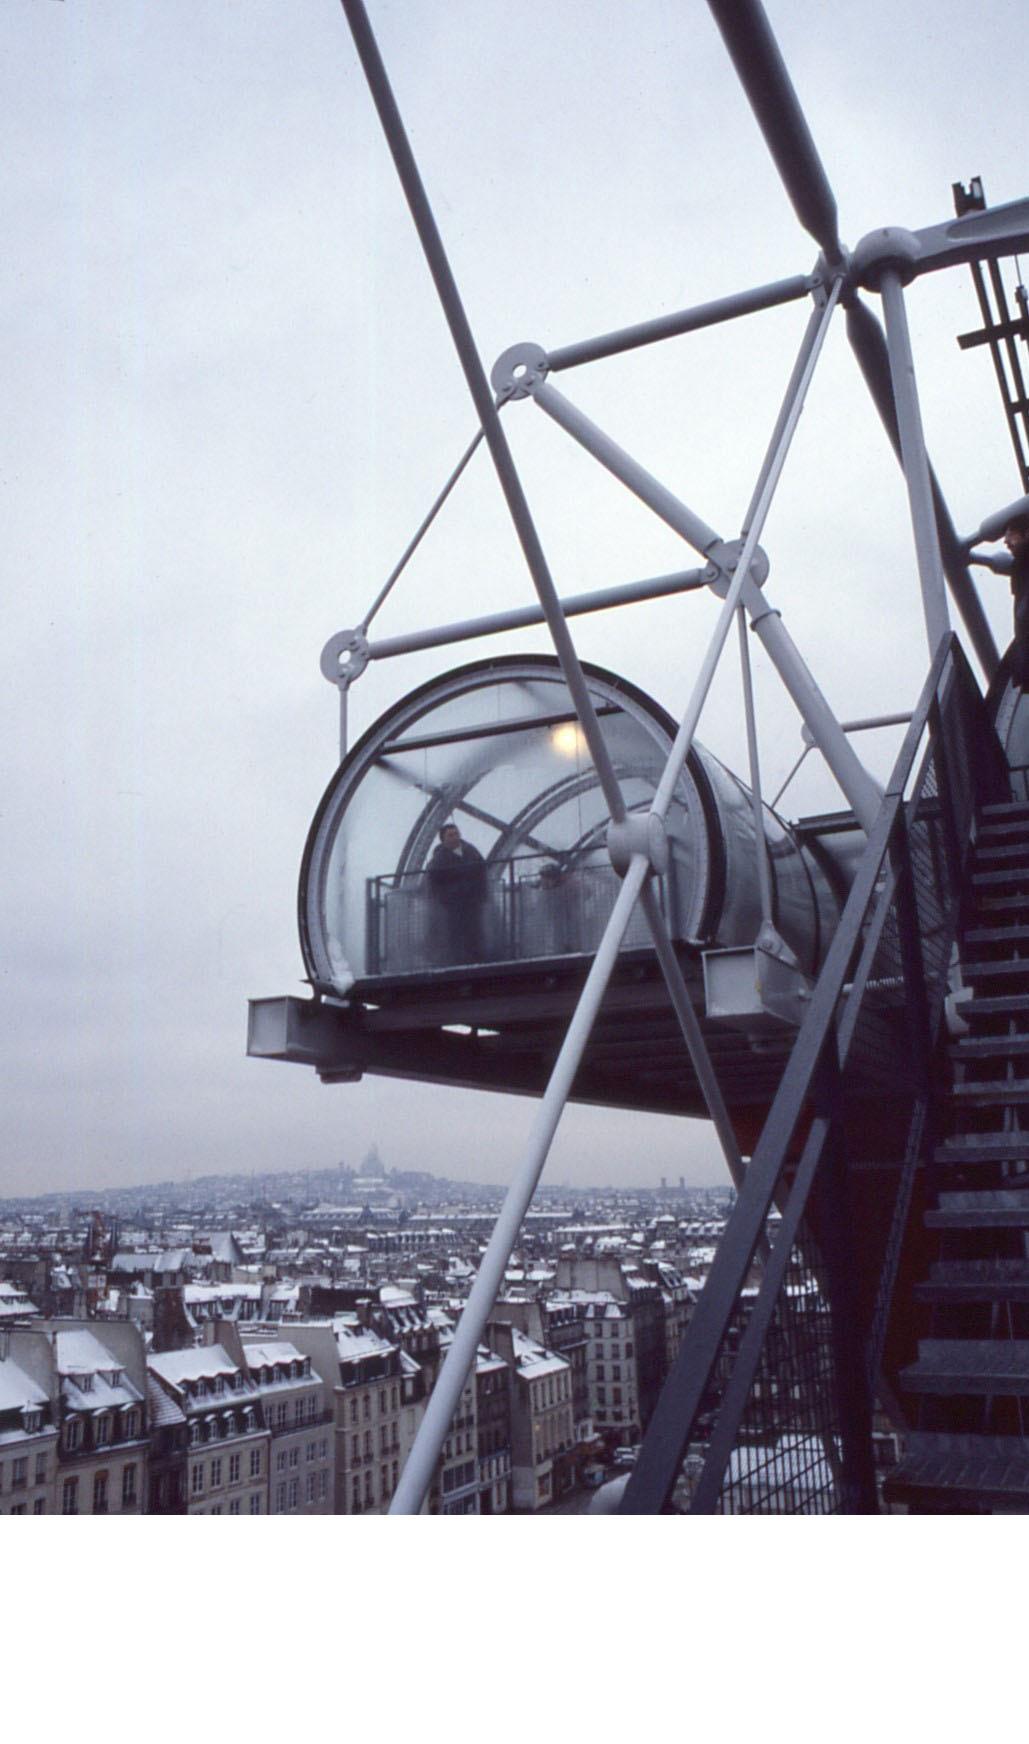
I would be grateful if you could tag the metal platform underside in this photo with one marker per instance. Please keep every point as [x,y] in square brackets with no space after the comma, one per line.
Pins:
[500,1027]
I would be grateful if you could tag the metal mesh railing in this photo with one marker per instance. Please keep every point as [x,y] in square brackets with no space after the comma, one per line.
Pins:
[530,906]
[775,1381]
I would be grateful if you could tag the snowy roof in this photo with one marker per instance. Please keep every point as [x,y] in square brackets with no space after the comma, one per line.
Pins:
[267,1355]
[175,1260]
[203,1362]
[354,1344]
[533,1359]
[197,1293]
[92,1377]
[18,1388]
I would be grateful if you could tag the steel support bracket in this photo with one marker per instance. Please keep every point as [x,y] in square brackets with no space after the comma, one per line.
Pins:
[344,657]
[756,988]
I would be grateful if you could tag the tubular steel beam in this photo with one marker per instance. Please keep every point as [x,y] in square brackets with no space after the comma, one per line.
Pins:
[868,342]
[445,1396]
[762,72]
[693,1036]
[684,321]
[478,386]
[522,371]
[914,460]
[576,605]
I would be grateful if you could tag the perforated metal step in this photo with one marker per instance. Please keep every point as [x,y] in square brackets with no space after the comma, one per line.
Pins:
[1000,1208]
[991,1280]
[969,1366]
[986,1469]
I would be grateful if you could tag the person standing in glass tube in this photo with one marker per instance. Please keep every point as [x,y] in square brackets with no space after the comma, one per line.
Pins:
[459,887]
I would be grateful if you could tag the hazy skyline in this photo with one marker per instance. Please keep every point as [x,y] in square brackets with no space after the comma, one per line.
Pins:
[232,397]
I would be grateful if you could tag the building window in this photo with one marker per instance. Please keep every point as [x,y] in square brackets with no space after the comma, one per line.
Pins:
[197,1480]
[367,1444]
[39,1505]
[323,1448]
[70,1496]
[41,1468]
[312,1449]
[234,1468]
[128,1487]
[216,1473]
[294,1458]
[384,1438]
[255,1504]
[323,1485]
[367,1406]
[280,1460]
[369,1489]
[355,1499]
[355,1449]
[255,1462]
[310,1486]
[216,1509]
[131,1425]
[72,1434]
[353,1410]
[280,1498]
[234,1505]
[383,1403]
[294,1492]
[100,1493]
[19,1474]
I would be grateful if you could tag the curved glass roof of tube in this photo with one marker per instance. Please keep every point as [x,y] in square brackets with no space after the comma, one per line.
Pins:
[495,748]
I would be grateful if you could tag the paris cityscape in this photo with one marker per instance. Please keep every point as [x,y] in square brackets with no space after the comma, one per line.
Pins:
[253,1345]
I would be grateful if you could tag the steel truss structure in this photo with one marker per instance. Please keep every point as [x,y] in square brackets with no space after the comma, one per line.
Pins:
[736,570]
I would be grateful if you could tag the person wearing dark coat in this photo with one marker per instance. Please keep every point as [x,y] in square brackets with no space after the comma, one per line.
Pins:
[459,887]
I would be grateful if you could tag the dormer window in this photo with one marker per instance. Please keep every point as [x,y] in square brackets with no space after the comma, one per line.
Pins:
[84,1383]
[32,1419]
[103,1430]
[131,1425]
[194,1434]
[72,1434]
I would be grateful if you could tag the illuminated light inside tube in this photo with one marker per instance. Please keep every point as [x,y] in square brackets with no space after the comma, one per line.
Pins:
[569,739]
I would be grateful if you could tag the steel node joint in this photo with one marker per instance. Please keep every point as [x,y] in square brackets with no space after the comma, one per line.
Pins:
[344,657]
[519,371]
[891,249]
[722,560]
[640,834]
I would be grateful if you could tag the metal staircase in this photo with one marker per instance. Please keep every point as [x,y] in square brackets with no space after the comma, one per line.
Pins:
[970,1383]
[774,1389]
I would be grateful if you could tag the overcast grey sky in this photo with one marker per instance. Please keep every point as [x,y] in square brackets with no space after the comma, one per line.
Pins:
[231,397]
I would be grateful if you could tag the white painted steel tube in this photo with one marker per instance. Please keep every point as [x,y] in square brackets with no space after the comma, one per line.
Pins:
[692,1034]
[445,1396]
[691,527]
[521,617]
[914,460]
[764,875]
[683,321]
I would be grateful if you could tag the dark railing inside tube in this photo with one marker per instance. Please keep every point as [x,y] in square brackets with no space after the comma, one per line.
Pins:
[533,907]
[769,1402]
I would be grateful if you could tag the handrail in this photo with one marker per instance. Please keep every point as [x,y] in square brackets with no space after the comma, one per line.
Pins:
[813,1083]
